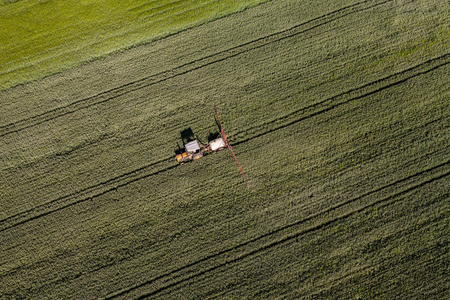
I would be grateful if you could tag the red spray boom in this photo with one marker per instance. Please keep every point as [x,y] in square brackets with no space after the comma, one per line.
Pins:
[225,139]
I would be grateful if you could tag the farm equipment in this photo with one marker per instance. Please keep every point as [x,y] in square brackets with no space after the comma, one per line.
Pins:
[193,150]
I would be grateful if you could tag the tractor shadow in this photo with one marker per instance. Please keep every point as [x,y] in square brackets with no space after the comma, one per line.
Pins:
[186,135]
[213,136]
[216,134]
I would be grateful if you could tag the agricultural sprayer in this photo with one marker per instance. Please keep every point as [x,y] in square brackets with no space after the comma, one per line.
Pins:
[193,150]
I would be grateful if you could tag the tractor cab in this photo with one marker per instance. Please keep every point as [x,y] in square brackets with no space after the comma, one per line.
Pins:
[192,152]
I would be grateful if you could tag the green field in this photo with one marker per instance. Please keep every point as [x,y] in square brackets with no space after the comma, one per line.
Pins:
[40,38]
[338,113]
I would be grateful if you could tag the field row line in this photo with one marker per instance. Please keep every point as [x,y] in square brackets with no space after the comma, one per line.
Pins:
[288,233]
[324,106]
[194,65]
[86,194]
[343,98]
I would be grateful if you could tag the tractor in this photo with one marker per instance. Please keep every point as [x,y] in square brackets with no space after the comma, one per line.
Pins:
[193,150]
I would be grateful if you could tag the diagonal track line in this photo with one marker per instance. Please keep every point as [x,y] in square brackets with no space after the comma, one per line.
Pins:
[187,68]
[169,279]
[146,171]
[344,98]
[85,195]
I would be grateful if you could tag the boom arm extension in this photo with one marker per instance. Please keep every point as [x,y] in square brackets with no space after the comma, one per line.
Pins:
[225,139]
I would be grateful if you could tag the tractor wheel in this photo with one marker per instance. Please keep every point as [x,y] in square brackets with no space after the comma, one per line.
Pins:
[197,155]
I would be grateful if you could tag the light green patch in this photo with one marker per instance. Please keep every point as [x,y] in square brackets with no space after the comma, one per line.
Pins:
[40,38]
[425,46]
[415,50]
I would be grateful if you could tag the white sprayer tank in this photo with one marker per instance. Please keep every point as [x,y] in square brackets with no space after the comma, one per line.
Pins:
[216,144]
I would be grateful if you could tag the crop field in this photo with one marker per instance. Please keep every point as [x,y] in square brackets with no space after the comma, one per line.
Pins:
[39,38]
[338,112]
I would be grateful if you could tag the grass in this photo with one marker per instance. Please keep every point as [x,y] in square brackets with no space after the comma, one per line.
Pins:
[343,137]
[40,38]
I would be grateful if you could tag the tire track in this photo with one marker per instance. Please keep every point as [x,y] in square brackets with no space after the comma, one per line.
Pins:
[286,233]
[188,67]
[343,98]
[146,171]
[86,194]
